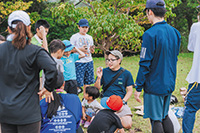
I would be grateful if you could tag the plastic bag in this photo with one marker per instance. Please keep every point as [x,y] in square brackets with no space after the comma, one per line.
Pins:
[174,120]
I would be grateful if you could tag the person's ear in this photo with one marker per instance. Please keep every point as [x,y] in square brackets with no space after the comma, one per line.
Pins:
[29,27]
[90,97]
[150,12]
[9,30]
[37,30]
[119,60]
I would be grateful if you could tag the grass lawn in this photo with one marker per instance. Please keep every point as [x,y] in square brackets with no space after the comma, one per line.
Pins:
[131,64]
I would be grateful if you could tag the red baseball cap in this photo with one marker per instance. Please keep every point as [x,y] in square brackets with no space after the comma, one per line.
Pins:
[113,102]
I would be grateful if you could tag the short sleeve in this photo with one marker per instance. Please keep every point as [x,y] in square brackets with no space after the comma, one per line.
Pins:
[83,103]
[129,79]
[76,57]
[97,105]
[73,40]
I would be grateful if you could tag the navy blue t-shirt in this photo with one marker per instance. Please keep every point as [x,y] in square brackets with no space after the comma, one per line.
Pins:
[120,84]
[67,119]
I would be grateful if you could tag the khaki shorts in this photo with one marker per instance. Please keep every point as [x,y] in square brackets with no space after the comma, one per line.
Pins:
[125,111]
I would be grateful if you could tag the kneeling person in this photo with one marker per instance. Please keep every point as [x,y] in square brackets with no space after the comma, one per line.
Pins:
[106,120]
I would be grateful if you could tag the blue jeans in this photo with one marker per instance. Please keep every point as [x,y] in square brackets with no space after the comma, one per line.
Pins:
[192,105]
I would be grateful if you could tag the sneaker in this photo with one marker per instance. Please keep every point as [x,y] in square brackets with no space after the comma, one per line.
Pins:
[87,123]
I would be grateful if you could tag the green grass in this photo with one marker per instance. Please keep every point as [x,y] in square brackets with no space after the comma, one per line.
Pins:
[132,64]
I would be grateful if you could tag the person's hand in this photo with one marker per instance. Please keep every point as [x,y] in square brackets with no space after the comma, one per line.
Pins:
[137,96]
[48,95]
[84,48]
[92,49]
[99,72]
[42,31]
[121,130]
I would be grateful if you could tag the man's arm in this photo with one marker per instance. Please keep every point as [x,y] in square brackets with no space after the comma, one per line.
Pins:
[99,75]
[129,92]
[146,56]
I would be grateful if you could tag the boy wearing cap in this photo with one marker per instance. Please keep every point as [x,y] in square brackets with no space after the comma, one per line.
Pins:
[192,100]
[157,71]
[106,121]
[84,66]
[69,60]
[122,86]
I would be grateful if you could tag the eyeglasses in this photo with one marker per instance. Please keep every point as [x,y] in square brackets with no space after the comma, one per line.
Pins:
[108,60]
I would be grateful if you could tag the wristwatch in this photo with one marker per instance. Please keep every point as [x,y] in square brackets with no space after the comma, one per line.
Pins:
[124,102]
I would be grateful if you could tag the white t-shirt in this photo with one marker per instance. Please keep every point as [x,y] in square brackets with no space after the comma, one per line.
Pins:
[79,41]
[194,46]
[95,105]
[59,65]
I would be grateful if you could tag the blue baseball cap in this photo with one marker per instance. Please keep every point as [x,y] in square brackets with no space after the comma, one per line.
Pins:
[83,22]
[68,45]
[155,4]
[103,102]
[113,102]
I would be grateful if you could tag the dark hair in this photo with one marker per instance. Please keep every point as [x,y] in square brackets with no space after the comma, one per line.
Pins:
[92,91]
[56,45]
[41,22]
[2,38]
[22,35]
[53,106]
[159,12]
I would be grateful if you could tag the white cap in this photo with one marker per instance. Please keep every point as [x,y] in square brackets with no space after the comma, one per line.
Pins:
[115,53]
[19,15]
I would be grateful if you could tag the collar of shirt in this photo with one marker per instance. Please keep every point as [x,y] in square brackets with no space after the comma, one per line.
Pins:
[162,22]
[38,39]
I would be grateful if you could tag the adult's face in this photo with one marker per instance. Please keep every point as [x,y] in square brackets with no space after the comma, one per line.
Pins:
[113,62]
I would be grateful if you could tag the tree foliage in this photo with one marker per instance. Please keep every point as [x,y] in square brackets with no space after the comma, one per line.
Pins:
[8,6]
[186,15]
[111,28]
[115,24]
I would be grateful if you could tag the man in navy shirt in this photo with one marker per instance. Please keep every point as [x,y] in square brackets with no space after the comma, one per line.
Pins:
[157,71]
[122,86]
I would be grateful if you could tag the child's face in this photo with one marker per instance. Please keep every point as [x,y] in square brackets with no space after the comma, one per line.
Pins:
[83,30]
[87,97]
[67,53]
[60,53]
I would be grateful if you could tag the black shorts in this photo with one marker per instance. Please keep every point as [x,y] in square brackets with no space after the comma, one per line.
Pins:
[71,86]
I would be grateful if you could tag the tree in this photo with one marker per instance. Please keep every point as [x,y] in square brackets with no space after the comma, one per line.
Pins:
[112,26]
[8,6]
[185,15]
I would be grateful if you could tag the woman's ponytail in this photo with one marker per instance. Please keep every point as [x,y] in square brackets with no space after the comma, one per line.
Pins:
[22,35]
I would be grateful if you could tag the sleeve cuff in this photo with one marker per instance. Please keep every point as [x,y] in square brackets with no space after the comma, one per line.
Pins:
[139,89]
